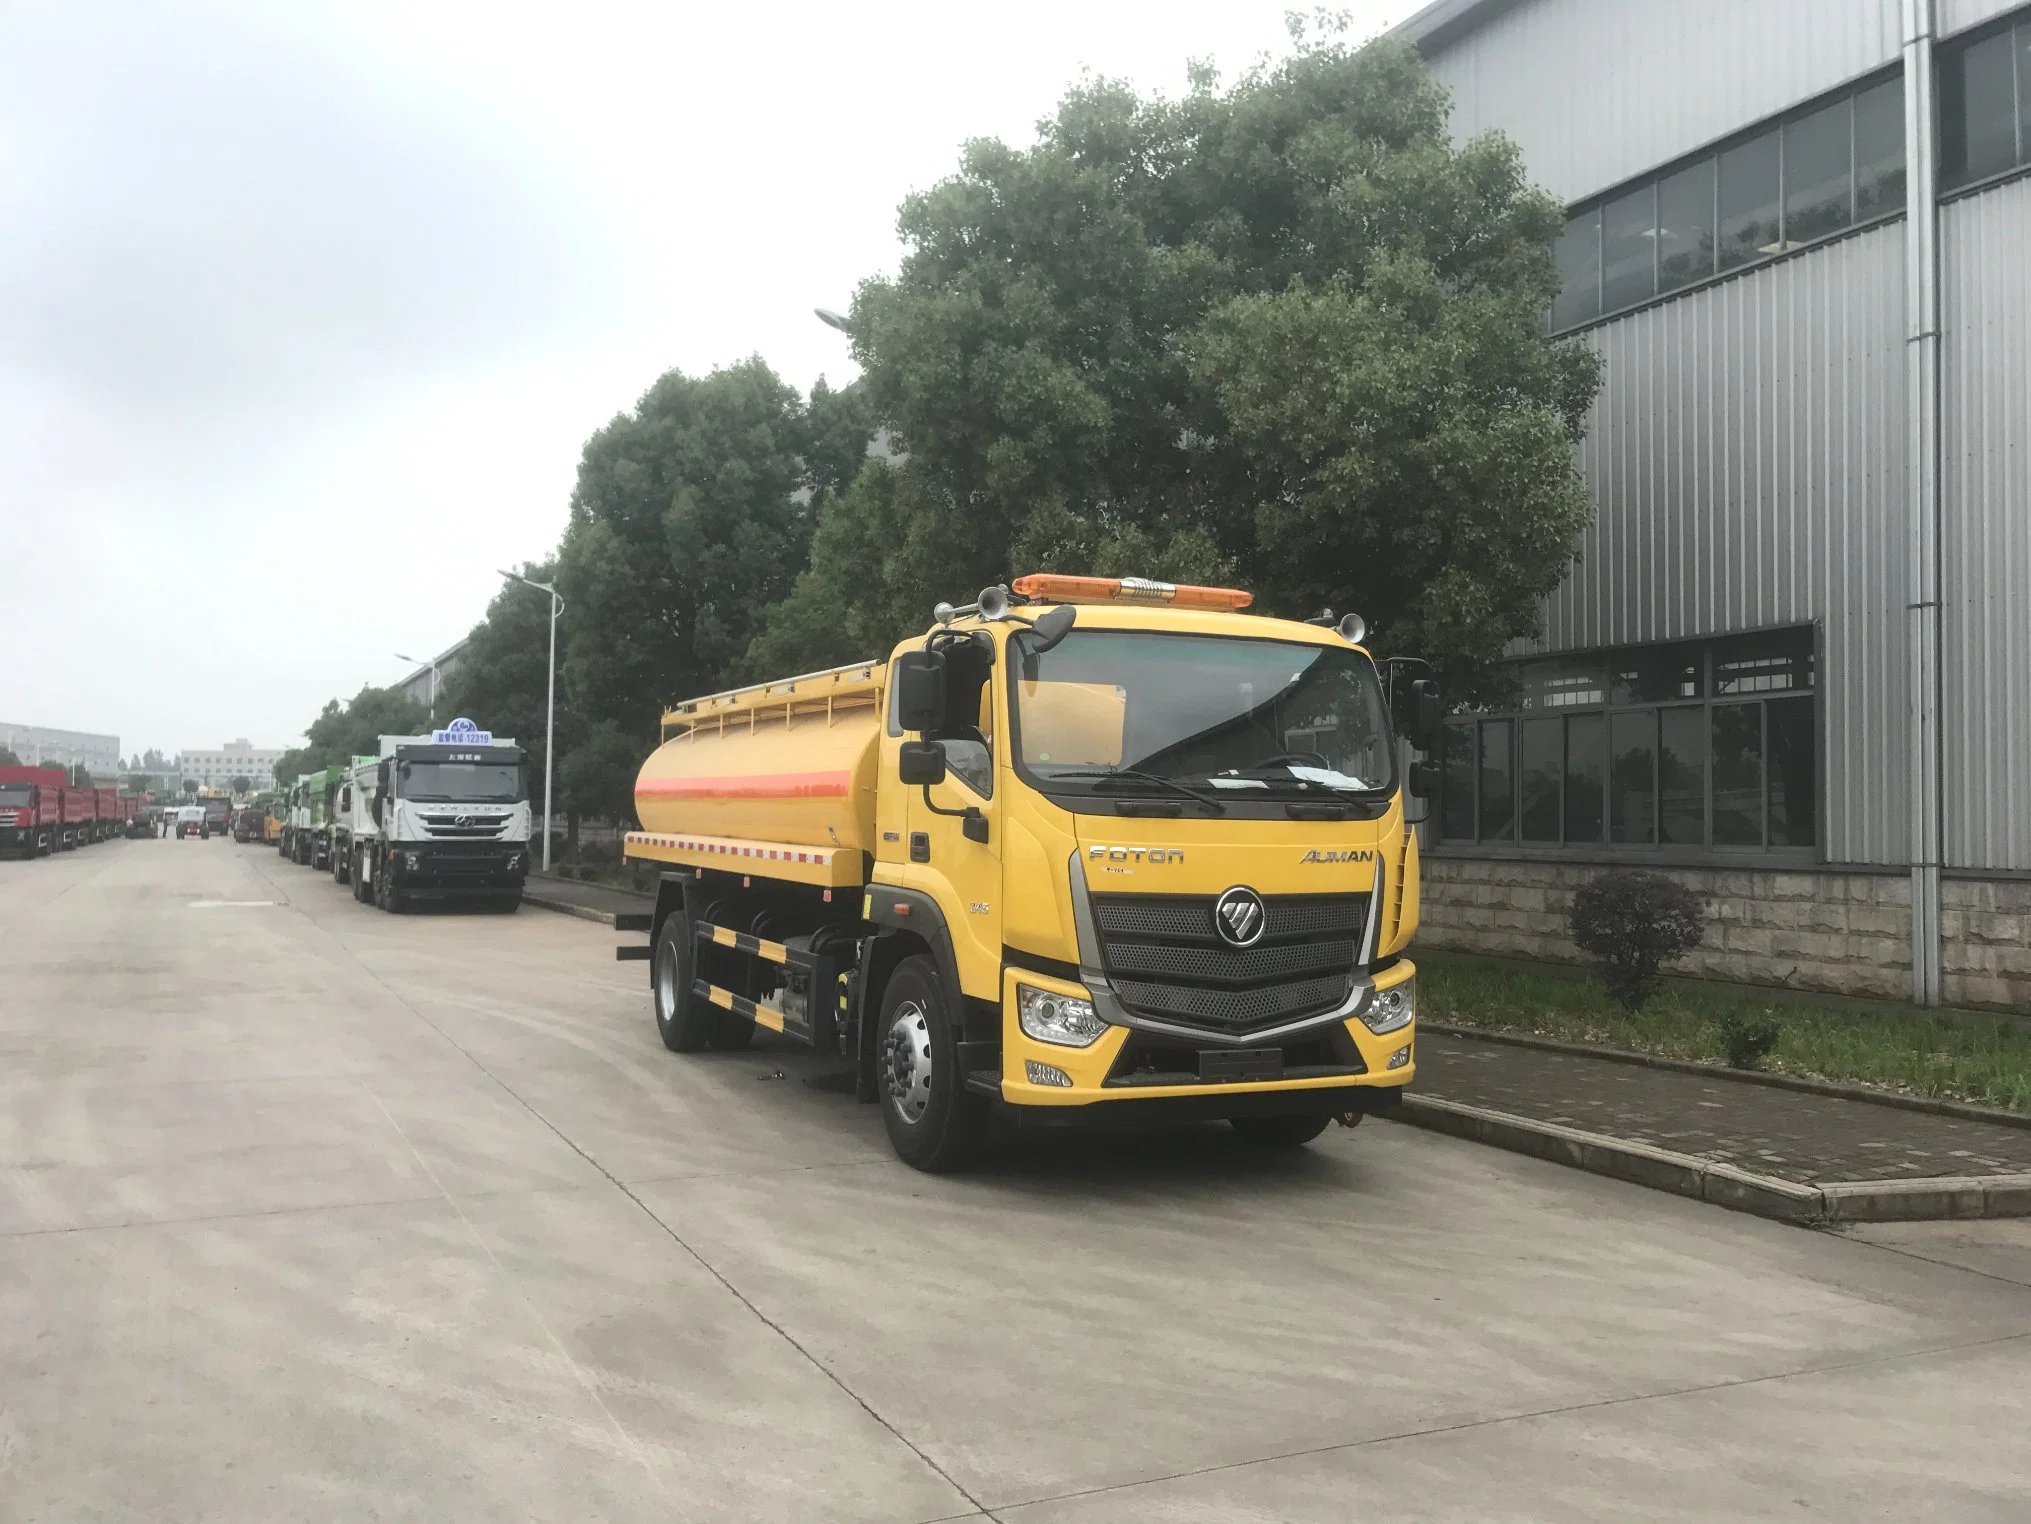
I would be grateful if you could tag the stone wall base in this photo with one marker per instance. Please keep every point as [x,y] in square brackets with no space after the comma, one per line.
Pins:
[1843,933]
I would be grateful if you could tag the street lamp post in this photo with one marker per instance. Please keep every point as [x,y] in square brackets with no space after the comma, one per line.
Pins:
[432,664]
[550,705]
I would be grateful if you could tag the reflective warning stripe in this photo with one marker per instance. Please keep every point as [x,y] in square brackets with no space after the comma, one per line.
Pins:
[761,1015]
[740,941]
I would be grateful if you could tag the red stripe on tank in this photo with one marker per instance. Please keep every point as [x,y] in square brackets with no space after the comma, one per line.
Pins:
[833,785]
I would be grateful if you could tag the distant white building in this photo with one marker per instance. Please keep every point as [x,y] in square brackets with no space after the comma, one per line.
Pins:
[236,759]
[36,745]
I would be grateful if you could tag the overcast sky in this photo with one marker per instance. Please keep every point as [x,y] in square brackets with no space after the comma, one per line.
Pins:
[306,309]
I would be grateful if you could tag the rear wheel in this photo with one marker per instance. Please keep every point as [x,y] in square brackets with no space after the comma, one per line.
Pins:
[684,1022]
[1279,1132]
[934,1123]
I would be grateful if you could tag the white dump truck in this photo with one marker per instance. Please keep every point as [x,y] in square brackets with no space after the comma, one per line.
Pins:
[450,821]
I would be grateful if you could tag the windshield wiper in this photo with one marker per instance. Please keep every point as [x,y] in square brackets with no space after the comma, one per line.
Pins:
[1137,775]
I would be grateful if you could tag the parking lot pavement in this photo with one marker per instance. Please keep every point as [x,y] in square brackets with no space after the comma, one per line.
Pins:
[312,1212]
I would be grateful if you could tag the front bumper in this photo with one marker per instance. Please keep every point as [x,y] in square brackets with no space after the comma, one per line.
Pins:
[446,870]
[1331,1067]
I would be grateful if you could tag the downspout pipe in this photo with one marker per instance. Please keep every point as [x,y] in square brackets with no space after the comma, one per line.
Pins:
[1922,400]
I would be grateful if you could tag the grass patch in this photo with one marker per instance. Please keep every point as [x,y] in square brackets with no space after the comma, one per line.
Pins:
[1973,1058]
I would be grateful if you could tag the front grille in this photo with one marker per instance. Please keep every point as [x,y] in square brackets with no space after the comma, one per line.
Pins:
[1166,961]
[476,827]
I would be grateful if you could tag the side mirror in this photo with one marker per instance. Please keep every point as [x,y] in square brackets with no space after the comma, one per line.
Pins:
[1423,782]
[921,763]
[1053,627]
[1428,715]
[920,691]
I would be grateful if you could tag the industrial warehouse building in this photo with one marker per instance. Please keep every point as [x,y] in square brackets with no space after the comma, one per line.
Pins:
[1792,661]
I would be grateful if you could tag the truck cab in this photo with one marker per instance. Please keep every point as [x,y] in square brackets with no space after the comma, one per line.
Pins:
[31,814]
[451,820]
[1125,859]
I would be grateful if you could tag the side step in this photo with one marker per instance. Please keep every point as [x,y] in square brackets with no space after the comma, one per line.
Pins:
[633,920]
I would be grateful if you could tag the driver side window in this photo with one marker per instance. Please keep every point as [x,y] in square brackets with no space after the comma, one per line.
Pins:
[969,749]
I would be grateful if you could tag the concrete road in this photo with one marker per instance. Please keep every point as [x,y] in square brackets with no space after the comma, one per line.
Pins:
[311,1212]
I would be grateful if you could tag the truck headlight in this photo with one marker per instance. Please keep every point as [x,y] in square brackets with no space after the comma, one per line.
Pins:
[1065,1020]
[1391,1008]
[412,860]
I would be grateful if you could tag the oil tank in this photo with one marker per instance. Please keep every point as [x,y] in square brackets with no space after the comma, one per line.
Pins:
[792,762]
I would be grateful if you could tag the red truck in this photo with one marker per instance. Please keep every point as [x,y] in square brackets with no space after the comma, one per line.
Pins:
[78,817]
[106,812]
[31,809]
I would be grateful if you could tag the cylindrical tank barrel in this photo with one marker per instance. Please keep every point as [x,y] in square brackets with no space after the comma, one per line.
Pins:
[804,779]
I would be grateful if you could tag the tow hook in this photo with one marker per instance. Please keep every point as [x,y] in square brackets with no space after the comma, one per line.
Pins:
[1349,1119]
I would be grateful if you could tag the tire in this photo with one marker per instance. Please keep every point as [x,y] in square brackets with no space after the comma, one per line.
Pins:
[684,1022]
[363,888]
[934,1123]
[1279,1132]
[341,866]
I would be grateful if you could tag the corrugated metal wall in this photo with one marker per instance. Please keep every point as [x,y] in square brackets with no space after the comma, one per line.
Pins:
[1596,91]
[1748,456]
[1959,15]
[1985,446]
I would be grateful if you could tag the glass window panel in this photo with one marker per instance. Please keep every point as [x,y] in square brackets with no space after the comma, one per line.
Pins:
[1562,682]
[1819,173]
[1498,782]
[1879,150]
[2023,91]
[1682,777]
[1579,261]
[1543,757]
[1456,804]
[1749,201]
[1656,674]
[1794,773]
[1776,662]
[1586,776]
[1629,249]
[1685,226]
[1738,775]
[1632,781]
[1978,115]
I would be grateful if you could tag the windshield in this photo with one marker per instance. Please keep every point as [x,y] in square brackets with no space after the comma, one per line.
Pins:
[462,782]
[16,793]
[1230,718]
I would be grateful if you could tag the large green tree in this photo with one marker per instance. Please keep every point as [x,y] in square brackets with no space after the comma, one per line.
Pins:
[1285,332]
[501,680]
[691,516]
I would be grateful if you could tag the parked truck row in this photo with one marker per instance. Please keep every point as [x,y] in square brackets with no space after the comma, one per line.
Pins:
[442,818]
[41,812]
[1090,850]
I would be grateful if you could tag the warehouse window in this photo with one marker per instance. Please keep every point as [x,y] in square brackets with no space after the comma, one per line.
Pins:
[1834,165]
[1695,745]
[1985,104]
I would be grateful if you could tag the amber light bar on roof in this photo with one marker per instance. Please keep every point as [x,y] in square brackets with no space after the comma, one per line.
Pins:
[1052,589]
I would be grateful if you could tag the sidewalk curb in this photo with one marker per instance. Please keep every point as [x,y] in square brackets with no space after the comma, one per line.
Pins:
[1923,1200]
[565,907]
[1964,1110]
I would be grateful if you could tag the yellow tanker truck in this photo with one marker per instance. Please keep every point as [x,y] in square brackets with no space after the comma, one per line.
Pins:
[1092,850]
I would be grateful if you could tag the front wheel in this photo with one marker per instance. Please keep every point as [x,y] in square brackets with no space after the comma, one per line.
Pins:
[934,1123]
[1279,1132]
